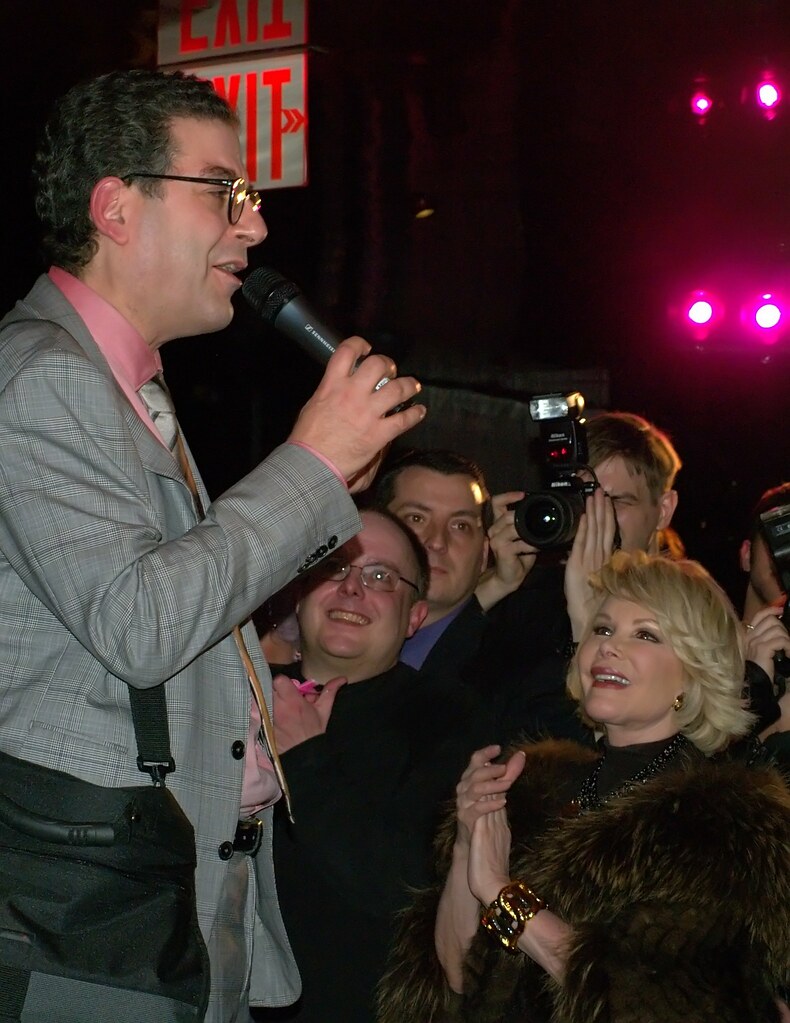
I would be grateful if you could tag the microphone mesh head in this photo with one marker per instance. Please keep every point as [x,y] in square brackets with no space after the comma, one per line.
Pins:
[267,292]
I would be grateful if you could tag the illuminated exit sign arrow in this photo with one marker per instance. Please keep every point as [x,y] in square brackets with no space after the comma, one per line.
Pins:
[294,119]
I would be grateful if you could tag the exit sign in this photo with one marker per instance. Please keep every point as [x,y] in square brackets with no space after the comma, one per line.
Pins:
[215,40]
[202,30]
[269,95]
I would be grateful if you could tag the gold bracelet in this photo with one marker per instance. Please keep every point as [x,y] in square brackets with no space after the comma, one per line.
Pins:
[509,913]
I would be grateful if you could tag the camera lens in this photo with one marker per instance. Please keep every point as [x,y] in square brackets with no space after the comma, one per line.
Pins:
[547,520]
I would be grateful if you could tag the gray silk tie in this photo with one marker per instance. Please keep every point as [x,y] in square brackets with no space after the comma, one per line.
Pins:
[156,398]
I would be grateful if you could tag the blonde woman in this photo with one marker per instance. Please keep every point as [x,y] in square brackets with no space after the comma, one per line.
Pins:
[646,881]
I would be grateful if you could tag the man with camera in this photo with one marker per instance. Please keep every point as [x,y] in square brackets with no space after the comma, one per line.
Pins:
[442,497]
[608,483]
[509,628]
[634,465]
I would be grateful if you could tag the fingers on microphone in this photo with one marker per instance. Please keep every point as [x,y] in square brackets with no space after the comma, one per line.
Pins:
[377,371]
[400,395]
[351,353]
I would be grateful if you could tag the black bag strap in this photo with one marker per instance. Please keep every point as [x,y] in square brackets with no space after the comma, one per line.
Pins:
[151,729]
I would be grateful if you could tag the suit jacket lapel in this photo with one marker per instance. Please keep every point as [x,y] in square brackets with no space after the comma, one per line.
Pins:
[46,302]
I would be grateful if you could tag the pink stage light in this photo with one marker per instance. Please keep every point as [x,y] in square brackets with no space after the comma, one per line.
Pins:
[700,311]
[766,316]
[768,95]
[701,103]
[768,313]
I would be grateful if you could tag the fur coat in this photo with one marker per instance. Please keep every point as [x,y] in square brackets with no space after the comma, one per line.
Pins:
[678,894]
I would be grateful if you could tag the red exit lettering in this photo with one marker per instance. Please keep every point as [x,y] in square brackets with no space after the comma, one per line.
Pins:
[230,88]
[190,43]
[227,25]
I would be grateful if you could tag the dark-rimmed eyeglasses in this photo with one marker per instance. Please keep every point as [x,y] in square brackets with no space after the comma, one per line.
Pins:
[239,190]
[380,578]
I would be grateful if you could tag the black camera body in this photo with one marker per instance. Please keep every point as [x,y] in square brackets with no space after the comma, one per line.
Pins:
[548,519]
[775,529]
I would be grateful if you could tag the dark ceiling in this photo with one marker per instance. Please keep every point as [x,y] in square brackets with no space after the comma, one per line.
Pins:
[575,200]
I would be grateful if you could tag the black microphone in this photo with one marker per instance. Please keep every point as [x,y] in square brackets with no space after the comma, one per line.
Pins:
[282,305]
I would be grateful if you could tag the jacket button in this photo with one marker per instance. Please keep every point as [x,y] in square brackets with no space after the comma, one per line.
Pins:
[225,850]
[332,542]
[237,750]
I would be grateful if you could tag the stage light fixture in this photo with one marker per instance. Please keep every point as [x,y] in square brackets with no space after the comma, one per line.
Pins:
[731,316]
[701,104]
[768,96]
[702,313]
[766,317]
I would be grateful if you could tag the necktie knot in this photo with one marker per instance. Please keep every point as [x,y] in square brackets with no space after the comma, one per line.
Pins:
[156,398]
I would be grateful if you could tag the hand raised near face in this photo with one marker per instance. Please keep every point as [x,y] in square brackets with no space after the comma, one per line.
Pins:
[592,548]
[346,419]
[298,716]
[483,788]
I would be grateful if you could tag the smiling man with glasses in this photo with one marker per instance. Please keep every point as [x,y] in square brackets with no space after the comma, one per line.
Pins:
[118,575]
[370,757]
[374,577]
[363,602]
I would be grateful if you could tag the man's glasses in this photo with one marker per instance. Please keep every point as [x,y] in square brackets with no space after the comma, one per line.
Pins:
[238,191]
[374,577]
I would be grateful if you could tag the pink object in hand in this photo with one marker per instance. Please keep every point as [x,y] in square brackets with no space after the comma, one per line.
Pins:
[308,686]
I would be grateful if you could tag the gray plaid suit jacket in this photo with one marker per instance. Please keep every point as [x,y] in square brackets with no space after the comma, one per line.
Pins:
[108,579]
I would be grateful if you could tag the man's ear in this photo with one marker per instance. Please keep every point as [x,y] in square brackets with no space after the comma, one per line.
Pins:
[417,615]
[667,504]
[484,562]
[745,555]
[109,207]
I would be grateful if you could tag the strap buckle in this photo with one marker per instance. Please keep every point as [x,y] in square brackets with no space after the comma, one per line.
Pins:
[158,769]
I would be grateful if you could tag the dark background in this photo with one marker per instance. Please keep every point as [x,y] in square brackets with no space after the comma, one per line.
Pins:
[576,202]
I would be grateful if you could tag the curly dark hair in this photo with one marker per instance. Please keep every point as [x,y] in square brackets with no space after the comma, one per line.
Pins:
[109,126]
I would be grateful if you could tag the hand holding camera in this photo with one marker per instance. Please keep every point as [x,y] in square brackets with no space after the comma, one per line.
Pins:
[548,519]
[573,511]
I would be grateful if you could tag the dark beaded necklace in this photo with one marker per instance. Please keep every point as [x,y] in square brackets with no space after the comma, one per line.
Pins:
[588,798]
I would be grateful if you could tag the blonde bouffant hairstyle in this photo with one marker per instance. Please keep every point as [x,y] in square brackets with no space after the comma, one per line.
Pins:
[699,624]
